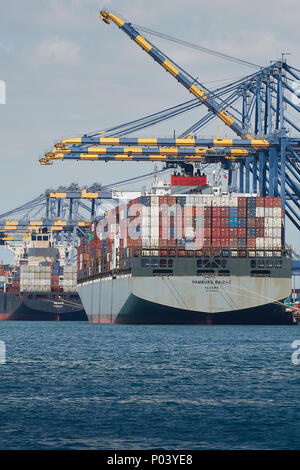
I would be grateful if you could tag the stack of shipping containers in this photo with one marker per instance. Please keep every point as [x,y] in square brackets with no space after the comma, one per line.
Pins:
[42,277]
[186,222]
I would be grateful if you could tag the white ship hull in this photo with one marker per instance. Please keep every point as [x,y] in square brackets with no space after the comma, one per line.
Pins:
[185,299]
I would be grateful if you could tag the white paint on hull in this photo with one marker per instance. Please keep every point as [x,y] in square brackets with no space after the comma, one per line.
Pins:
[106,297]
[211,294]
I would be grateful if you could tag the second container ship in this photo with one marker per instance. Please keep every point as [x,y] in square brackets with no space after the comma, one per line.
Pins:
[40,285]
[186,253]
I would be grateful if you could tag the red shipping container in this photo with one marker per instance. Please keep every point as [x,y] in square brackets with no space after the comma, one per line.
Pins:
[233,231]
[224,211]
[251,222]
[259,222]
[233,242]
[224,232]
[163,200]
[216,232]
[207,221]
[207,211]
[206,241]
[216,242]
[268,202]
[224,221]
[272,202]
[251,242]
[242,202]
[216,211]
[260,232]
[171,200]
[224,242]
[241,232]
[277,202]
[242,212]
[199,211]
[216,222]
[260,202]
[207,231]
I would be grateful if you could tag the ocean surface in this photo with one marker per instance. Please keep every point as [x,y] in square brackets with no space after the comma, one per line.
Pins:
[83,386]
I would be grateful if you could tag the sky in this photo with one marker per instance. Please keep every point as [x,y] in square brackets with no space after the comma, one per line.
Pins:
[68,73]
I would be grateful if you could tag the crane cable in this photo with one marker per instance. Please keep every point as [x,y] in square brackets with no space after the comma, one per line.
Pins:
[196,46]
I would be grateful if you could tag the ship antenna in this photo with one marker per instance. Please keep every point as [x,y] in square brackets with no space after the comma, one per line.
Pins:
[155,174]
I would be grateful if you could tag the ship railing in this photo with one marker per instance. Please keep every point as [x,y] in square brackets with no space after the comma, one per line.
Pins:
[211,252]
[103,275]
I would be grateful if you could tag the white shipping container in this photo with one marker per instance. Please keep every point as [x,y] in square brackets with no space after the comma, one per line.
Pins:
[154,241]
[276,232]
[154,210]
[123,214]
[277,222]
[207,201]
[199,200]
[146,231]
[189,232]
[233,201]
[260,212]
[146,241]
[268,242]
[277,243]
[277,212]
[154,232]
[225,201]
[154,201]
[268,211]
[190,200]
[146,220]
[268,221]
[259,242]
[155,222]
[146,211]
[215,201]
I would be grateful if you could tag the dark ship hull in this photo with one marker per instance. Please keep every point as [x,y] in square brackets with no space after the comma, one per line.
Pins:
[140,311]
[41,306]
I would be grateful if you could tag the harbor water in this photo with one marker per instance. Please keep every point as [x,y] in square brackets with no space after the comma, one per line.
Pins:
[84,386]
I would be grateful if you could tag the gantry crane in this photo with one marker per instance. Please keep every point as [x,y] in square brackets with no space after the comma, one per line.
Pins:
[265,153]
[64,212]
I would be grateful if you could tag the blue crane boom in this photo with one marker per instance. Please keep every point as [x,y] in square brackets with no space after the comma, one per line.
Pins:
[204,95]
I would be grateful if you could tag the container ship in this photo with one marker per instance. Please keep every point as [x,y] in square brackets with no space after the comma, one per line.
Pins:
[187,253]
[40,285]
